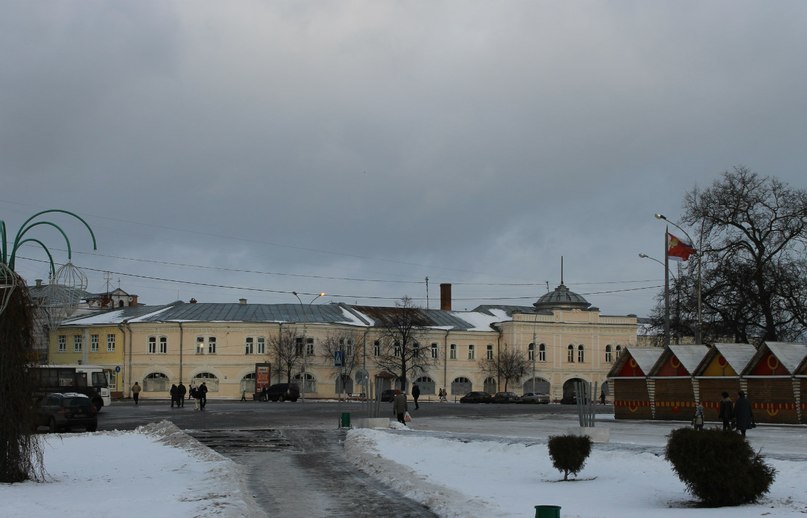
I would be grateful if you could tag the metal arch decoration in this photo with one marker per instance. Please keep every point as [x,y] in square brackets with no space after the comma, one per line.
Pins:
[63,293]
[8,277]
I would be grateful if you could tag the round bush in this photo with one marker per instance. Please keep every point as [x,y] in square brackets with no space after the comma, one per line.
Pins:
[569,453]
[718,467]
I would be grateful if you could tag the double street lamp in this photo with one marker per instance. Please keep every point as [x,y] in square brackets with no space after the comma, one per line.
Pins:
[304,351]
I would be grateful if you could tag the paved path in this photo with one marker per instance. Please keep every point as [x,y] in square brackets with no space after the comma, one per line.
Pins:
[303,473]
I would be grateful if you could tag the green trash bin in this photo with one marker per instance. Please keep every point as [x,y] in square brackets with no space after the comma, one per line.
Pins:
[344,420]
[547,511]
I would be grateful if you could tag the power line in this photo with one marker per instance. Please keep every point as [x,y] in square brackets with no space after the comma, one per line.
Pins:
[332,295]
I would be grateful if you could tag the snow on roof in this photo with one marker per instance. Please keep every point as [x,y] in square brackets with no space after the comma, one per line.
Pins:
[789,354]
[690,356]
[354,320]
[645,357]
[481,321]
[737,355]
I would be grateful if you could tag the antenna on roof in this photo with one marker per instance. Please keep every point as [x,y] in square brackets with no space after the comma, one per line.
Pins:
[561,269]
[427,292]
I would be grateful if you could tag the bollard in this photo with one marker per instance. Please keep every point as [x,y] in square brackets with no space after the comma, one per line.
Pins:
[547,511]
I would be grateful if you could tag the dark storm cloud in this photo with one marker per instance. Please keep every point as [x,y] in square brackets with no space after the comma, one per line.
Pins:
[467,142]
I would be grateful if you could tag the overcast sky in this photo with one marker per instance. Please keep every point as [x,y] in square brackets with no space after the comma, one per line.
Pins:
[226,150]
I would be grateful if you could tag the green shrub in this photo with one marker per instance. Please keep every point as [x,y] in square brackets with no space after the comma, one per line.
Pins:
[569,453]
[718,467]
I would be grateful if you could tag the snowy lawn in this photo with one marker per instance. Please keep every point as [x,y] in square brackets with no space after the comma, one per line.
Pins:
[508,479]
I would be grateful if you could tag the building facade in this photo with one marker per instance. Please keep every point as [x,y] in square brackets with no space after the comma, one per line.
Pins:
[562,337]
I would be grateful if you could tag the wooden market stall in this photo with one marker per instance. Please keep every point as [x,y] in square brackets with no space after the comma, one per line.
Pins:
[771,383]
[628,380]
[720,372]
[673,377]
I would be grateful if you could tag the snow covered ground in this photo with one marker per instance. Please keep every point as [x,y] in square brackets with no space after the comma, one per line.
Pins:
[159,471]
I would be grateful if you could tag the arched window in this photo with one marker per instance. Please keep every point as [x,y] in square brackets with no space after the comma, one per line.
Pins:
[310,382]
[426,385]
[570,354]
[581,353]
[608,357]
[156,382]
[618,350]
[461,386]
[542,352]
[531,352]
[344,384]
[248,384]
[209,379]
[490,385]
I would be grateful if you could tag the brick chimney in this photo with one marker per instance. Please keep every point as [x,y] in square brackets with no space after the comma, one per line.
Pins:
[445,297]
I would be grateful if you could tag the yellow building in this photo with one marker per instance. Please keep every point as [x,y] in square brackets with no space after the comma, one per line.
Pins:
[561,335]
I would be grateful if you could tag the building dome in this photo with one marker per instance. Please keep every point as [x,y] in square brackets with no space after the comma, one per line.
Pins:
[563,298]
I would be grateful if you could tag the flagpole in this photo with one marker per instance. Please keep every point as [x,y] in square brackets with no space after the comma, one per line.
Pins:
[666,286]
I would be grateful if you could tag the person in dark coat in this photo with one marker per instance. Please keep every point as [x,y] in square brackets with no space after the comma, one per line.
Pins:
[743,416]
[416,394]
[399,406]
[181,395]
[726,411]
[174,395]
[201,394]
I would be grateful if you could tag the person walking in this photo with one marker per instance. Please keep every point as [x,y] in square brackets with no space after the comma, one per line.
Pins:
[697,420]
[174,395]
[743,416]
[399,406]
[201,393]
[182,392]
[442,395]
[726,411]
[136,393]
[416,394]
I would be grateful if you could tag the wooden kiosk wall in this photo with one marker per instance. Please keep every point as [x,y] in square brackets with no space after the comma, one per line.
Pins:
[710,393]
[631,399]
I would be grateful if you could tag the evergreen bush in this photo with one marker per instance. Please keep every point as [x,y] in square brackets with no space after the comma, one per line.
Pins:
[569,453]
[718,467]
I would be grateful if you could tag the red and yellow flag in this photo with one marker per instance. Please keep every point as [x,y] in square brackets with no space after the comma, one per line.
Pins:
[678,249]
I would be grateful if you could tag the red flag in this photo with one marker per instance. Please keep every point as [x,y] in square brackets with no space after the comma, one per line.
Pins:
[678,249]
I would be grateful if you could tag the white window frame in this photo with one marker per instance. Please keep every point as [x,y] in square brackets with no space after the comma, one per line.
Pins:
[78,343]
[62,343]
[110,343]
[93,343]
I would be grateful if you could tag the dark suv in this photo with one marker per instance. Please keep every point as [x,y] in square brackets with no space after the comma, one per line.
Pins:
[283,392]
[65,411]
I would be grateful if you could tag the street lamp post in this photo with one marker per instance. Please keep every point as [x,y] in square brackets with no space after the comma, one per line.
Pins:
[698,329]
[304,374]
[666,296]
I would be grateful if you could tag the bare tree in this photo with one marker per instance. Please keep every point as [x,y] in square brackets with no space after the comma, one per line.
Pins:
[753,234]
[342,351]
[286,353]
[20,450]
[401,353]
[508,365]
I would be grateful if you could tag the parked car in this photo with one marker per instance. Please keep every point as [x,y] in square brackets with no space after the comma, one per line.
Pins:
[388,395]
[505,397]
[63,411]
[283,392]
[534,397]
[476,397]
